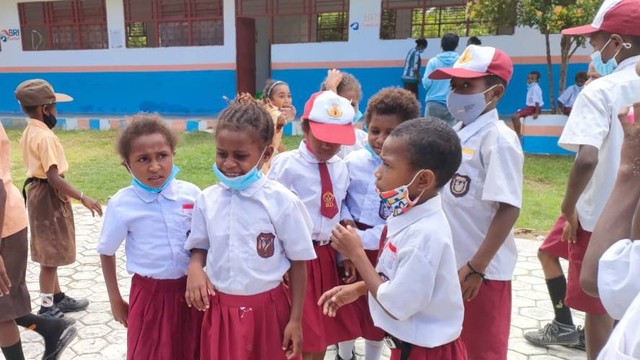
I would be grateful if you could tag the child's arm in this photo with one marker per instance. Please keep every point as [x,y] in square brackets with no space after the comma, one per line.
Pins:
[292,343]
[60,184]
[5,283]
[334,299]
[119,307]
[199,286]
[499,229]
[537,112]
[615,223]
[426,82]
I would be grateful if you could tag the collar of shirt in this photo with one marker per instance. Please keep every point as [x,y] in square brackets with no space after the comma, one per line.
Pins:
[252,189]
[310,157]
[38,124]
[632,61]
[395,224]
[169,193]
[464,133]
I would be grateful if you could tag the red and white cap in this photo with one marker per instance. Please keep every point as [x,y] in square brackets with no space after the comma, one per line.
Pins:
[620,17]
[478,61]
[330,118]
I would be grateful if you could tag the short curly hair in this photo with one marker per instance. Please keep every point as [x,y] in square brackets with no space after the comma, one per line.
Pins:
[393,101]
[140,125]
[246,113]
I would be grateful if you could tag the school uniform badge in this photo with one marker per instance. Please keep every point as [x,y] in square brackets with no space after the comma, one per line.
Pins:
[265,245]
[459,185]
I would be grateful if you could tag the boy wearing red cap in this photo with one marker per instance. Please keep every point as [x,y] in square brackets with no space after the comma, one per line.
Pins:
[320,179]
[594,132]
[483,199]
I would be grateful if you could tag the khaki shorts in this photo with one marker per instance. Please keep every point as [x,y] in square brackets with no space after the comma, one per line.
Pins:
[53,234]
[13,250]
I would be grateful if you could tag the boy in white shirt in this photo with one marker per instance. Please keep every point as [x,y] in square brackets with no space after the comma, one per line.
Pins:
[533,103]
[568,97]
[484,197]
[413,293]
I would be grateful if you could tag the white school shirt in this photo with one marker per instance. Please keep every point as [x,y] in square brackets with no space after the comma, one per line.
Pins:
[155,227]
[568,97]
[619,289]
[363,201]
[534,95]
[298,171]
[490,173]
[423,291]
[251,235]
[594,121]
[361,139]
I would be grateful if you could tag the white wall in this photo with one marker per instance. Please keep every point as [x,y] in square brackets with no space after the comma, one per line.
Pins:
[117,55]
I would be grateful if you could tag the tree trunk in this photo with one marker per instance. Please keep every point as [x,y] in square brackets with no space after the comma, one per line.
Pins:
[552,97]
[565,48]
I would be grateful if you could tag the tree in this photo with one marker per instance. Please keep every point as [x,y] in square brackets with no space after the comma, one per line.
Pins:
[549,17]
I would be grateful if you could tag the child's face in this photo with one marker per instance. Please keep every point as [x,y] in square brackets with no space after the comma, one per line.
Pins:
[380,126]
[151,159]
[472,86]
[395,170]
[237,152]
[580,82]
[321,149]
[532,78]
[281,96]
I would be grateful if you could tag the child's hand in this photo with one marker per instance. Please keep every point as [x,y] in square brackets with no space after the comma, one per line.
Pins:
[92,205]
[630,155]
[334,77]
[346,241]
[469,283]
[5,282]
[349,271]
[292,342]
[289,113]
[198,288]
[570,228]
[346,223]
[120,311]
[337,297]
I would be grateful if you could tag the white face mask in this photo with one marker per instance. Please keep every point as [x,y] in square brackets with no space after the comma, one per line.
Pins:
[467,107]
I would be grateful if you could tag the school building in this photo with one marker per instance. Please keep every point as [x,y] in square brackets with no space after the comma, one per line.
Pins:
[180,58]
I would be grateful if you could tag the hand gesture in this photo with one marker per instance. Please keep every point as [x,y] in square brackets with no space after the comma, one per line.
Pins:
[198,288]
[337,297]
[346,241]
[5,283]
[92,205]
[570,228]
[120,311]
[469,283]
[288,112]
[630,155]
[292,342]
[349,271]
[334,77]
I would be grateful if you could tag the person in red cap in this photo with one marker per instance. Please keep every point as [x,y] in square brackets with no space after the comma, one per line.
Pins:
[483,199]
[594,132]
[320,179]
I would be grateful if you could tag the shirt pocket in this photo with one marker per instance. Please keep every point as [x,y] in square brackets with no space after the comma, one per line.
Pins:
[387,262]
[263,248]
[186,213]
[464,185]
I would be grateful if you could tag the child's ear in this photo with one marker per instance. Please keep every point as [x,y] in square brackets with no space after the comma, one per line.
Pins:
[427,180]
[268,153]
[498,93]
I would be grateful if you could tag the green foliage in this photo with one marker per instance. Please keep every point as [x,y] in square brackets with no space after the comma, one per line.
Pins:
[551,16]
[498,13]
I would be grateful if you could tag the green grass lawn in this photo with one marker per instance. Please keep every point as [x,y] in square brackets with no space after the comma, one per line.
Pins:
[95,169]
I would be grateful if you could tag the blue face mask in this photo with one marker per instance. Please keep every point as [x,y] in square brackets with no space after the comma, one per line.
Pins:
[241,182]
[610,66]
[358,116]
[370,150]
[530,85]
[137,183]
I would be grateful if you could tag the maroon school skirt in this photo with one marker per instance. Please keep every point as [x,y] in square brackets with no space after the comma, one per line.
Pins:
[454,350]
[367,329]
[245,327]
[161,325]
[319,330]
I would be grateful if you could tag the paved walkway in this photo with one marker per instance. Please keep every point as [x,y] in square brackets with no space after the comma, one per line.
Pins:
[100,337]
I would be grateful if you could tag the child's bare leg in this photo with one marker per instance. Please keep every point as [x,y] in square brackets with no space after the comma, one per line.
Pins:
[56,286]
[10,340]
[597,329]
[517,125]
[550,265]
[48,275]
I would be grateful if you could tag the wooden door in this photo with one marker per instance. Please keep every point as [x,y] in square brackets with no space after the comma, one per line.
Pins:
[246,55]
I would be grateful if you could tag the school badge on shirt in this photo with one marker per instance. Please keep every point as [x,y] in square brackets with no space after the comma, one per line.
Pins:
[265,245]
[328,199]
[459,185]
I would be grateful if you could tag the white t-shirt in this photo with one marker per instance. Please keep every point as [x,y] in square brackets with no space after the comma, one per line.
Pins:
[490,173]
[251,235]
[363,201]
[534,95]
[155,227]
[619,289]
[569,96]
[423,291]
[298,171]
[361,139]
[594,121]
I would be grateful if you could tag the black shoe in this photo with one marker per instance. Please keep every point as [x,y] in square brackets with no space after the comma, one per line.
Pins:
[66,337]
[580,345]
[54,312]
[69,304]
[353,355]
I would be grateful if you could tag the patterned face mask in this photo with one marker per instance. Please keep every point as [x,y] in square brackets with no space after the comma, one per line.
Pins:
[398,199]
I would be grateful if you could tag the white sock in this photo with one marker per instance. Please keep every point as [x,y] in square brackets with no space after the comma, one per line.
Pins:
[46,300]
[373,349]
[345,349]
